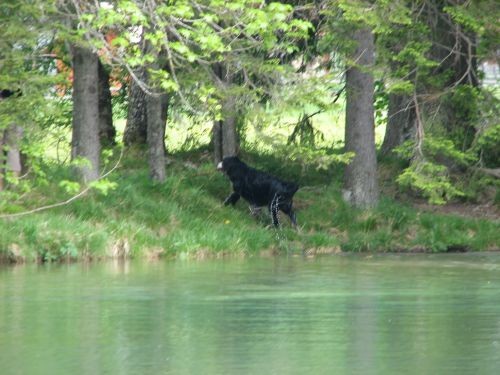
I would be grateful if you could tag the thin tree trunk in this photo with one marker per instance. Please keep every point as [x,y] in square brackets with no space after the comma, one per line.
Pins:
[85,138]
[360,179]
[400,123]
[229,133]
[156,113]
[157,116]
[224,132]
[225,137]
[217,141]
[107,131]
[13,136]
[3,157]
[136,128]
[10,152]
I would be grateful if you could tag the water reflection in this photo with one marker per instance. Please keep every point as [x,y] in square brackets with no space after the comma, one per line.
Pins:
[343,315]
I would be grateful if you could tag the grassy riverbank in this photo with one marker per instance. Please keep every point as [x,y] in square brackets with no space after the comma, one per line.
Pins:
[184,217]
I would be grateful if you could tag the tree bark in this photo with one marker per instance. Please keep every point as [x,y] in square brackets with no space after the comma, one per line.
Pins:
[157,117]
[13,136]
[225,138]
[10,152]
[156,114]
[360,178]
[85,137]
[217,141]
[224,132]
[229,132]
[401,119]
[107,131]
[2,159]
[137,120]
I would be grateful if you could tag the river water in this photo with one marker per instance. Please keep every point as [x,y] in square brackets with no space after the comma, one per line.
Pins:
[346,314]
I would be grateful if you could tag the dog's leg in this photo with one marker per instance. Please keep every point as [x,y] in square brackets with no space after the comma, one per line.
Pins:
[293,218]
[287,209]
[274,215]
[274,210]
[232,199]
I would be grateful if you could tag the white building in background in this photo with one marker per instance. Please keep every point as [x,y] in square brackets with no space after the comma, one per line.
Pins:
[491,72]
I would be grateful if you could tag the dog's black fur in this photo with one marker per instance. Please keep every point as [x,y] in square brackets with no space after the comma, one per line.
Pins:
[259,188]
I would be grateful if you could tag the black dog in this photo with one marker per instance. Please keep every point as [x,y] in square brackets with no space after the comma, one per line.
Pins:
[259,188]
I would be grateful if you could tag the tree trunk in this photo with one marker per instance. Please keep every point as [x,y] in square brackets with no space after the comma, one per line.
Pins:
[85,138]
[400,122]
[3,157]
[12,139]
[157,117]
[107,131]
[136,128]
[360,178]
[217,141]
[224,132]
[229,133]
[10,152]
[225,138]
[156,114]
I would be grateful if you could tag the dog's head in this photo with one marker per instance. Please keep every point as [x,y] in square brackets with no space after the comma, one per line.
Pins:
[230,163]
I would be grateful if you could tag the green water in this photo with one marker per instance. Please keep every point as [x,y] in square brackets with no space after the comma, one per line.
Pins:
[418,314]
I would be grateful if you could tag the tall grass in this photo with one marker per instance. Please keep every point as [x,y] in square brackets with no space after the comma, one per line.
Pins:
[184,217]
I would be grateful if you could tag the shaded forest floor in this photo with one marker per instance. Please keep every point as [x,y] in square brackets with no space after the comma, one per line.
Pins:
[184,217]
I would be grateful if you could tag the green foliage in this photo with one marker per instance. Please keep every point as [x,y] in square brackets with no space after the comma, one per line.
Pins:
[381,103]
[119,103]
[399,87]
[425,61]
[28,69]
[70,187]
[488,146]
[57,113]
[437,148]
[321,159]
[479,17]
[304,133]
[379,14]
[429,172]
[441,166]
[48,238]
[431,179]
[104,186]
[183,35]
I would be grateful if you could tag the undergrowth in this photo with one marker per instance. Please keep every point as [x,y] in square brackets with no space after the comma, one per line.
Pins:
[184,217]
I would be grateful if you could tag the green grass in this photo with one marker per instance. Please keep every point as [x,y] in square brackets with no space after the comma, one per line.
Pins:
[184,217]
